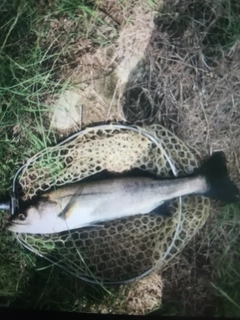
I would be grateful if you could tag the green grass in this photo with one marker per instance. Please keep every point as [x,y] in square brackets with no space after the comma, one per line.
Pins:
[220,241]
[226,263]
[31,63]
[16,265]
[50,288]
[216,23]
[226,31]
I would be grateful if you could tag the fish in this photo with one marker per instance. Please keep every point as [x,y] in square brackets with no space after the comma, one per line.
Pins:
[85,204]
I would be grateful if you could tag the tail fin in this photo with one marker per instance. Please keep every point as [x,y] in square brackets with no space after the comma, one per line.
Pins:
[216,173]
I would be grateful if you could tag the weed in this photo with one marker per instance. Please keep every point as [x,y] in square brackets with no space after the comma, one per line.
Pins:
[227,262]
[31,56]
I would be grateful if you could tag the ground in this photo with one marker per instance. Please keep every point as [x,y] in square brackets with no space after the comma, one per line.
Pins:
[168,62]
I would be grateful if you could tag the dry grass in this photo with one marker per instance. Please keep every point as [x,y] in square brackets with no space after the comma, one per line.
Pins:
[100,74]
[138,298]
[190,83]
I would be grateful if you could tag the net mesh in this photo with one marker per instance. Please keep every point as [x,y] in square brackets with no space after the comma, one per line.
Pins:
[124,248]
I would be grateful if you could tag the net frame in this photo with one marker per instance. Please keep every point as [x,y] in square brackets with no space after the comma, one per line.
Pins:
[159,144]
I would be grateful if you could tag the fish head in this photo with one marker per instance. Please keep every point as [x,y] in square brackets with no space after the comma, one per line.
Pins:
[23,221]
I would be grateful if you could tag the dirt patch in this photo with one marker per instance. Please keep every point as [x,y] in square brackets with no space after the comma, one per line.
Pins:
[100,77]
[138,298]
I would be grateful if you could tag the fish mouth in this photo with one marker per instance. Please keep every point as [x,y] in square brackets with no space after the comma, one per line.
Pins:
[14,226]
[18,223]
[11,227]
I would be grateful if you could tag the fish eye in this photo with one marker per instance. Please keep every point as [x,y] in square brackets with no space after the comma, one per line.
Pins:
[21,217]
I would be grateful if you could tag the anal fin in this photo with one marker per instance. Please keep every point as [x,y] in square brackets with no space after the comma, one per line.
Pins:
[162,210]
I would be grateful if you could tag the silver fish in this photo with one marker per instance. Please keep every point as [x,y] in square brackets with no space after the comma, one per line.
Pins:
[86,204]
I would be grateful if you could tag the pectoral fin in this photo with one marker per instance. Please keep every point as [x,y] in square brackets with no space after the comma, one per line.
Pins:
[162,210]
[68,210]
